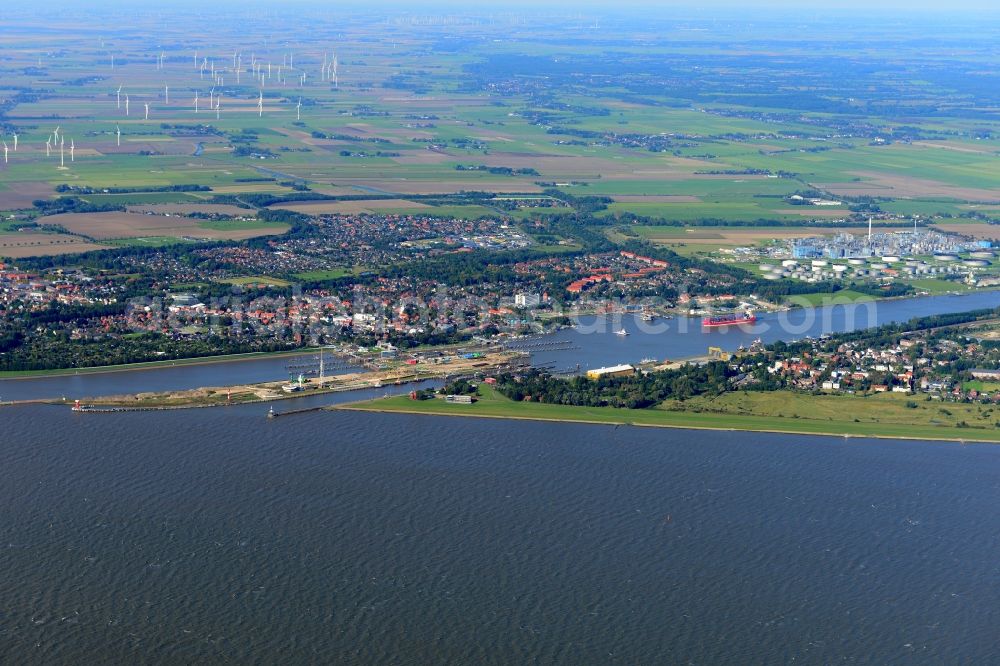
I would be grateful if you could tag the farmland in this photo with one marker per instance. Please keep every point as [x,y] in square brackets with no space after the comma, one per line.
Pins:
[412,115]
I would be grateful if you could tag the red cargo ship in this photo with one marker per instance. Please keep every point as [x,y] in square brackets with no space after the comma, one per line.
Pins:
[729,320]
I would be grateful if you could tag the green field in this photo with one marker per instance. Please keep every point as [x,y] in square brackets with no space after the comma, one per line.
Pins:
[981,386]
[256,280]
[330,274]
[877,416]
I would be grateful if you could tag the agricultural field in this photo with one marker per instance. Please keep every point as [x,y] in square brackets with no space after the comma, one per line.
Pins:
[408,108]
[116,225]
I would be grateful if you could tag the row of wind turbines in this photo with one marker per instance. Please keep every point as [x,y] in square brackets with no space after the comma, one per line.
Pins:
[329,72]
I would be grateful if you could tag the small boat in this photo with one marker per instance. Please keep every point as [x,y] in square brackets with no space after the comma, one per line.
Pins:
[648,316]
[622,332]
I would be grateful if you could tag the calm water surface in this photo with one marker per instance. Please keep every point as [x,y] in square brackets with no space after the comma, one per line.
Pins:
[211,536]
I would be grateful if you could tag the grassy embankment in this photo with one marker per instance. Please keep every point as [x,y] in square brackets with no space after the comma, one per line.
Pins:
[149,365]
[883,415]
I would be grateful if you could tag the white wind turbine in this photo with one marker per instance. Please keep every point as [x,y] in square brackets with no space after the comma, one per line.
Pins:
[118,132]
[62,153]
[196,101]
[5,152]
[126,104]
[298,110]
[118,97]
[166,94]
[48,146]
[147,110]
[15,142]
[260,105]
[72,149]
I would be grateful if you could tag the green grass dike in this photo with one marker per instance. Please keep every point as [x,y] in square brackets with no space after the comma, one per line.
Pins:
[894,416]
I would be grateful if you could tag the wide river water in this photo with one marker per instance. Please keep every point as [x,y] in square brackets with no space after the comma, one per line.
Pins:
[217,536]
[594,343]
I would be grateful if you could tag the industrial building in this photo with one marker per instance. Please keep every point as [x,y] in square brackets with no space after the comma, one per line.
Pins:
[612,371]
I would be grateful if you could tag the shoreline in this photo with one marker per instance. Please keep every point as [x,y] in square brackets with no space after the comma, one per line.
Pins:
[302,351]
[153,365]
[371,406]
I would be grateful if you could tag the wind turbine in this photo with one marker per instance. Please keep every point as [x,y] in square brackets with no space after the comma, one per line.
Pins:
[118,97]
[166,94]
[118,131]
[5,152]
[15,142]
[298,110]
[72,150]
[196,101]
[62,153]
[260,105]
[147,110]
[48,146]
[126,104]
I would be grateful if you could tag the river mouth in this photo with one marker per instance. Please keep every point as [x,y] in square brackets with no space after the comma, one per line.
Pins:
[592,344]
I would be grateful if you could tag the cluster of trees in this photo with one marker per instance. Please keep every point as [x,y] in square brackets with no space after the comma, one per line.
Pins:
[498,170]
[84,189]
[637,391]
[59,351]
[73,205]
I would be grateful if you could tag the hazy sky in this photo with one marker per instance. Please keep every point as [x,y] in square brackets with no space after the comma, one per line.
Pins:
[602,6]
